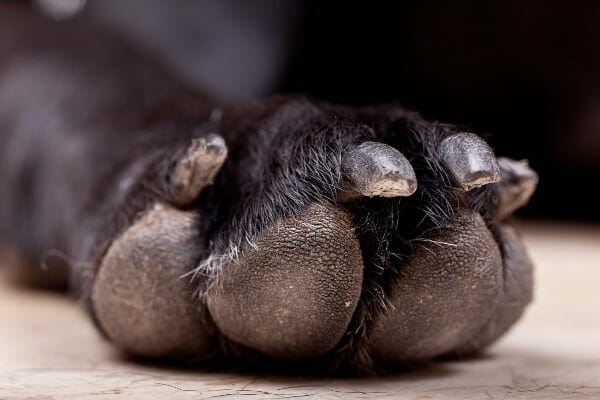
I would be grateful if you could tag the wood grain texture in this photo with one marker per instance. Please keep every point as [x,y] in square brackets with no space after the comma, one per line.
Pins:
[49,350]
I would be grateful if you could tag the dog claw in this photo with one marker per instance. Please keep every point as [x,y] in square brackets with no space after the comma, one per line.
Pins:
[197,168]
[517,185]
[376,169]
[470,160]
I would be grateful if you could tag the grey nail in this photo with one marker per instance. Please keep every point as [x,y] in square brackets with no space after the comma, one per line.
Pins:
[376,169]
[197,168]
[470,160]
[517,186]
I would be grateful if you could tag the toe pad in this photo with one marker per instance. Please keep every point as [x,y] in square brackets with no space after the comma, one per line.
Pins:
[292,295]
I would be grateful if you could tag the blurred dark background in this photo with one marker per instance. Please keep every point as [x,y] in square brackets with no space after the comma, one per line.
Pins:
[525,74]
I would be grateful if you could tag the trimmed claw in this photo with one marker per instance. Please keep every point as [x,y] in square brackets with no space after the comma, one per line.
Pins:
[197,168]
[376,169]
[517,185]
[470,160]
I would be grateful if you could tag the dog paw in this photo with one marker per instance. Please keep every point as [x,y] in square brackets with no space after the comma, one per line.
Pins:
[368,236]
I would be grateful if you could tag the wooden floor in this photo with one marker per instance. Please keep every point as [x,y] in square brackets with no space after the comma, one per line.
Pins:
[49,350]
